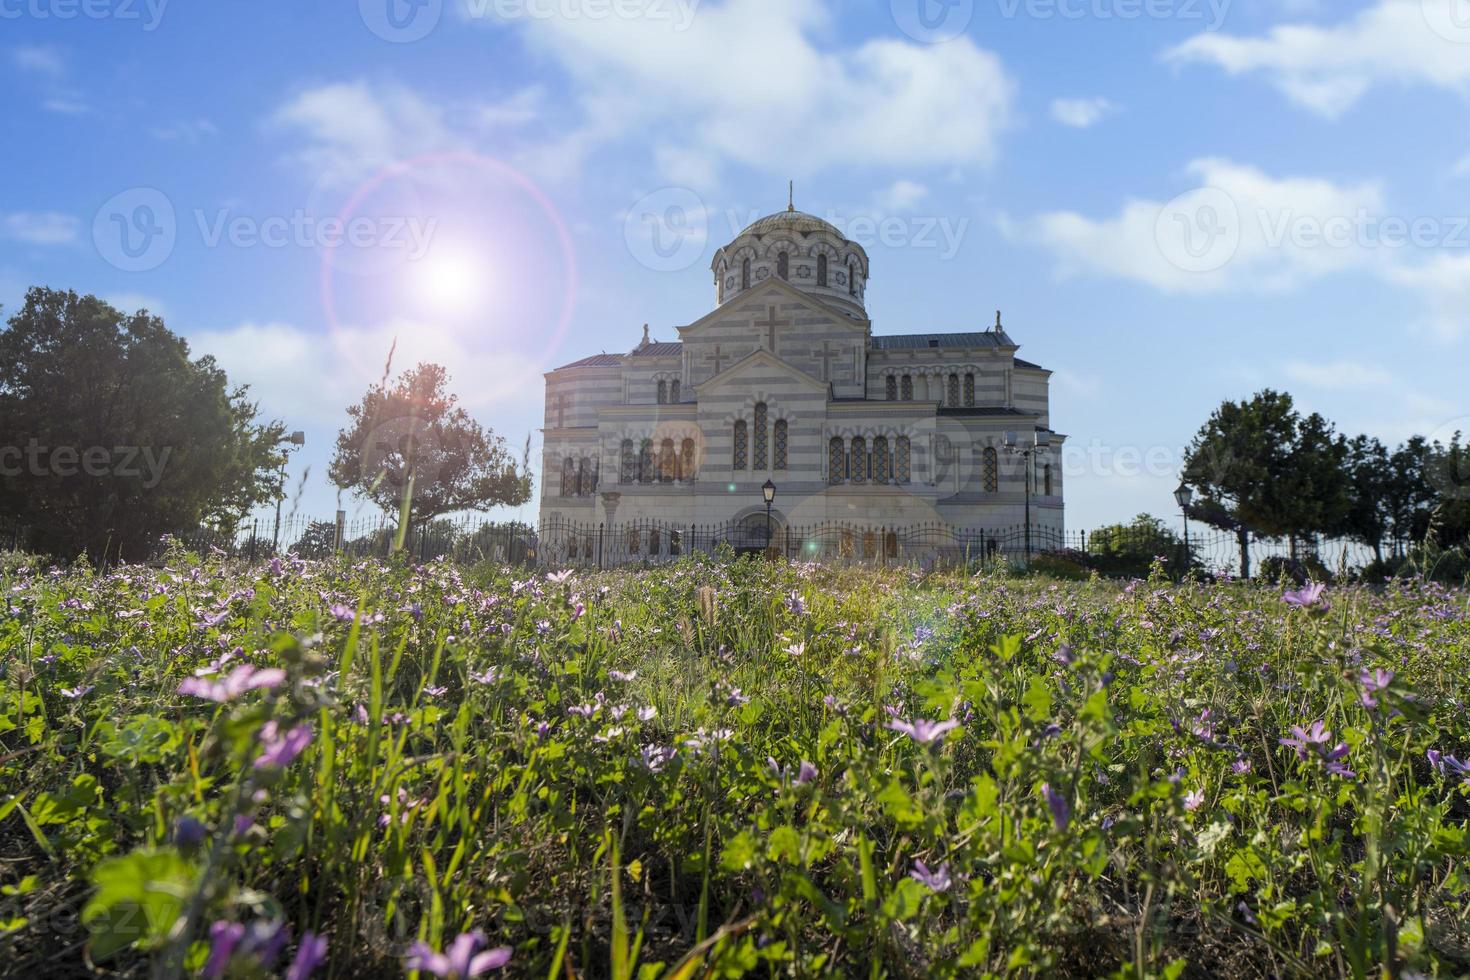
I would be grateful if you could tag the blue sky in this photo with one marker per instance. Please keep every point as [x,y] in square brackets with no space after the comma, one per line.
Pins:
[1174,202]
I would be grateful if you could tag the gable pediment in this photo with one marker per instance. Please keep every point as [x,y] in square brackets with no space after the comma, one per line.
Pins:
[762,362]
[755,305]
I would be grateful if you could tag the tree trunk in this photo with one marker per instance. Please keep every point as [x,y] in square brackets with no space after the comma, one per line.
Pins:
[1244,538]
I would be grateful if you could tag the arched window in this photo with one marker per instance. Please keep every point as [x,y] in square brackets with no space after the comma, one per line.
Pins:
[594,470]
[903,466]
[760,436]
[738,456]
[783,266]
[780,441]
[720,285]
[881,473]
[645,461]
[663,392]
[627,463]
[990,470]
[836,461]
[908,388]
[857,466]
[569,477]
[890,387]
[686,461]
[969,390]
[666,461]
[1046,475]
[821,270]
[745,274]
[852,279]
[674,395]
[584,477]
[954,390]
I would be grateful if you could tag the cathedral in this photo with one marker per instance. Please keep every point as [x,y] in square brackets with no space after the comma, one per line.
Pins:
[785,384]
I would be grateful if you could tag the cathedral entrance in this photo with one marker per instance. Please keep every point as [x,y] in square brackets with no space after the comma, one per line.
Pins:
[751,534]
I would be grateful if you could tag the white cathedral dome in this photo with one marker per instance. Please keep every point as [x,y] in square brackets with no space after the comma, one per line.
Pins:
[806,251]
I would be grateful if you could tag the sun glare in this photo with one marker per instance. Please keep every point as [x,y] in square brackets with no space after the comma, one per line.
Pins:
[451,280]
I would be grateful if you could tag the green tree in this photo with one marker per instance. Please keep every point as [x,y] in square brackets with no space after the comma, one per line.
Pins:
[1240,462]
[318,540]
[1409,496]
[1314,497]
[412,450]
[114,436]
[1130,549]
[1370,474]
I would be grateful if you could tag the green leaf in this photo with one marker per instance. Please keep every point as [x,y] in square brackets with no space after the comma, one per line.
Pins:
[740,852]
[139,898]
[1037,699]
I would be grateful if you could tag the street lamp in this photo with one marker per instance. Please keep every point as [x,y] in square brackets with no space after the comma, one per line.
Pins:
[1040,443]
[294,441]
[768,491]
[1182,496]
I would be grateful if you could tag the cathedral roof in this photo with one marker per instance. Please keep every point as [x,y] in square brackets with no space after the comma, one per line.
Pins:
[596,360]
[918,341]
[660,348]
[793,221]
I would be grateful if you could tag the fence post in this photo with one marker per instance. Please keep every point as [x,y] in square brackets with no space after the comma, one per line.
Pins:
[600,528]
[252,538]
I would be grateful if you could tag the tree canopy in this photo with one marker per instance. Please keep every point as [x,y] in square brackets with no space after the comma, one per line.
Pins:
[410,448]
[114,435]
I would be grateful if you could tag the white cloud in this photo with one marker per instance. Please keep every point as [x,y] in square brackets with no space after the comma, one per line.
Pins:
[744,80]
[517,109]
[687,167]
[1340,373]
[901,195]
[40,227]
[1328,69]
[1236,228]
[1444,284]
[1081,113]
[39,60]
[1462,167]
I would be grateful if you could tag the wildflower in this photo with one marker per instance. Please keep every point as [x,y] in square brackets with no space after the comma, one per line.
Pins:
[735,698]
[341,613]
[1240,766]
[81,691]
[461,960]
[487,676]
[435,691]
[1373,682]
[796,649]
[1443,764]
[360,714]
[246,677]
[1063,655]
[1335,767]
[189,832]
[922,730]
[1061,812]
[223,938]
[309,955]
[806,773]
[647,713]
[578,611]
[557,578]
[1193,799]
[280,750]
[937,880]
[834,705]
[795,604]
[1315,735]
[622,675]
[655,757]
[1307,597]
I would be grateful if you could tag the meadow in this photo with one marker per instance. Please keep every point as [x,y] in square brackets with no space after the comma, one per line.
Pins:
[725,769]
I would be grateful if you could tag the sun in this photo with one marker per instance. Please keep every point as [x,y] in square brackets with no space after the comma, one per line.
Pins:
[452,280]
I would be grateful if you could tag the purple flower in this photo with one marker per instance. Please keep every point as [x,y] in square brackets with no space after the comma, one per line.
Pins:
[81,691]
[1061,812]
[435,691]
[1240,766]
[1446,764]
[922,730]
[1193,799]
[557,578]
[461,960]
[1373,682]
[246,677]
[806,773]
[1334,766]
[622,675]
[341,613]
[189,832]
[223,938]
[1307,597]
[487,676]
[937,880]
[309,955]
[1312,738]
[277,750]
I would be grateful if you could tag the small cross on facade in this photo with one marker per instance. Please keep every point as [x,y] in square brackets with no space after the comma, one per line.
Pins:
[769,325]
[717,359]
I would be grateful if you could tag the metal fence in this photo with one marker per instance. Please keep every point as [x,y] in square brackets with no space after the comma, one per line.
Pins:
[553,544]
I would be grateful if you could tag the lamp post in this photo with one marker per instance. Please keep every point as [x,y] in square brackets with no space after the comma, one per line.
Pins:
[1040,443]
[294,441]
[1182,496]
[768,492]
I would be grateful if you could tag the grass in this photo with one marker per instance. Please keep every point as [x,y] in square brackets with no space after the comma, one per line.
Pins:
[704,770]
